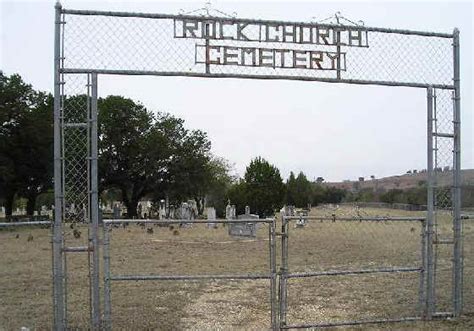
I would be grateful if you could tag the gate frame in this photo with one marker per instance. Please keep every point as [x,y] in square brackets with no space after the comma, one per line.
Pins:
[59,273]
[285,274]
[108,277]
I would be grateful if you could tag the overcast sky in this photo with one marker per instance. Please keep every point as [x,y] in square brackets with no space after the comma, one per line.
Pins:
[331,130]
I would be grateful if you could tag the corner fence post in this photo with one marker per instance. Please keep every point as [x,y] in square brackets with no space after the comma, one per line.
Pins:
[429,302]
[59,313]
[457,222]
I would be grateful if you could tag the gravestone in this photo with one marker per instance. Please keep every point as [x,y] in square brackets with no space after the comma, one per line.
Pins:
[211,216]
[185,214]
[248,215]
[230,212]
[162,210]
[116,211]
[287,211]
[301,222]
[244,229]
[172,212]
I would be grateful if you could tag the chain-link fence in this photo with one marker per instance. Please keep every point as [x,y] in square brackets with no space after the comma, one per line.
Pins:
[76,146]
[443,198]
[425,254]
[468,265]
[216,45]
[213,273]
[345,265]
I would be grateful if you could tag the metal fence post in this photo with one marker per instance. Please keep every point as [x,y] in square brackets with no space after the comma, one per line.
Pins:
[94,209]
[58,272]
[457,226]
[273,285]
[106,256]
[422,289]
[283,271]
[429,303]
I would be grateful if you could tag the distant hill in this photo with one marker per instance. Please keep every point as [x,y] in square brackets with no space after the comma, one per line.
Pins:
[405,181]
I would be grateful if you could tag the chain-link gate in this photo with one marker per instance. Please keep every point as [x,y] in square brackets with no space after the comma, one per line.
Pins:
[399,252]
[91,43]
[270,274]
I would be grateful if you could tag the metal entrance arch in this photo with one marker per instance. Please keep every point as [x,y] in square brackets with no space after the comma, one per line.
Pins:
[90,43]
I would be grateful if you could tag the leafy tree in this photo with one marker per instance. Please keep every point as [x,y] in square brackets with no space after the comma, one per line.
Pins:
[191,172]
[264,187]
[298,190]
[417,195]
[304,191]
[318,194]
[366,195]
[142,154]
[334,195]
[36,136]
[25,142]
[291,189]
[15,98]
[45,199]
[133,152]
[237,195]
[467,195]
[393,196]
[219,184]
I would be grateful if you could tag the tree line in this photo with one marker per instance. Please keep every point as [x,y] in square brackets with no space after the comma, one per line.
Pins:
[26,137]
[152,155]
[262,188]
[142,154]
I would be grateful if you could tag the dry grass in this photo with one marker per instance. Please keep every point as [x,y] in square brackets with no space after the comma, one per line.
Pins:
[25,284]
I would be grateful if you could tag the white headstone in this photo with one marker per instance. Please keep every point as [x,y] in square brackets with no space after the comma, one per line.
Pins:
[185,214]
[211,216]
[162,210]
[229,212]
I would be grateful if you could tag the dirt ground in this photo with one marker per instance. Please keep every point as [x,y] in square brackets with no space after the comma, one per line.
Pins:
[25,276]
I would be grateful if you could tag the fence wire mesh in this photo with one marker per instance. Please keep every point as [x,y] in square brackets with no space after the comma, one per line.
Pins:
[346,298]
[338,249]
[166,45]
[468,280]
[172,251]
[443,197]
[75,147]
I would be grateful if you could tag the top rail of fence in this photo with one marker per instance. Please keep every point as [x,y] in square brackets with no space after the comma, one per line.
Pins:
[178,221]
[355,219]
[17,224]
